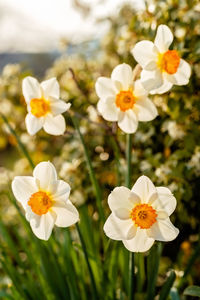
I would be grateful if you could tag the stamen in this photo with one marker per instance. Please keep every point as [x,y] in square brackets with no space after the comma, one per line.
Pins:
[125,100]
[169,61]
[143,215]
[39,107]
[40,203]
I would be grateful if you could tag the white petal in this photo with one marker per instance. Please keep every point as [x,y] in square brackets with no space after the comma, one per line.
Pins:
[164,38]
[51,88]
[144,188]
[105,88]
[42,226]
[122,197]
[145,53]
[54,125]
[124,74]
[146,110]
[181,77]
[29,214]
[165,87]
[33,124]
[151,80]
[123,213]
[66,213]
[58,106]
[161,214]
[128,121]
[31,88]
[138,89]
[23,187]
[117,229]
[46,174]
[62,191]
[165,200]
[108,109]
[163,230]
[140,243]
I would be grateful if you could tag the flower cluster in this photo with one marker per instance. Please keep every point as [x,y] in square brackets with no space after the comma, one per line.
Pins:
[124,100]
[140,215]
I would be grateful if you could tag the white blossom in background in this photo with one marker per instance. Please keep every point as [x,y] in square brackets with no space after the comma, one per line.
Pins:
[141,215]
[175,130]
[45,200]
[44,106]
[124,100]
[162,68]
[194,162]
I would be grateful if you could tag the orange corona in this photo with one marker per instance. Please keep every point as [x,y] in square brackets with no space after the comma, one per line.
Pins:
[143,215]
[40,203]
[39,107]
[125,100]
[169,61]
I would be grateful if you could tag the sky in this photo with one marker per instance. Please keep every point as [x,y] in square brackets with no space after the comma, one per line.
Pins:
[39,25]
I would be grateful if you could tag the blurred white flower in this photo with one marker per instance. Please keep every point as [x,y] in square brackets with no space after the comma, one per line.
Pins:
[161,67]
[77,198]
[175,130]
[141,215]
[11,70]
[124,101]
[28,141]
[195,161]
[69,167]
[162,173]
[5,177]
[45,200]
[6,107]
[145,166]
[44,106]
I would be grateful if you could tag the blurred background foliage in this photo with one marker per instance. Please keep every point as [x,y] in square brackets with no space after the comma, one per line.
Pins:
[166,149]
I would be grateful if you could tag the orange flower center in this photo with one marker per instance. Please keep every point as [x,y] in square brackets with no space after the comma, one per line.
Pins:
[39,107]
[143,215]
[40,202]
[169,61]
[125,100]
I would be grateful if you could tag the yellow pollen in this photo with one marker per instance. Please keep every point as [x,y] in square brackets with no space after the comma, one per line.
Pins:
[125,100]
[40,203]
[39,107]
[169,61]
[143,215]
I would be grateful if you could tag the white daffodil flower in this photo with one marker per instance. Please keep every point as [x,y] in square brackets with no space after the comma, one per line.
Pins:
[124,101]
[141,215]
[161,67]
[44,106]
[45,200]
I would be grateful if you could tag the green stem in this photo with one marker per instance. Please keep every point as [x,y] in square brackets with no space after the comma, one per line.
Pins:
[153,261]
[94,289]
[141,272]
[21,146]
[91,172]
[164,293]
[128,184]
[131,276]
[128,159]
[117,157]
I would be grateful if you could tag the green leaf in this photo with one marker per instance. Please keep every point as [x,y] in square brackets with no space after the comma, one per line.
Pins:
[152,269]
[4,295]
[192,290]
[167,286]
